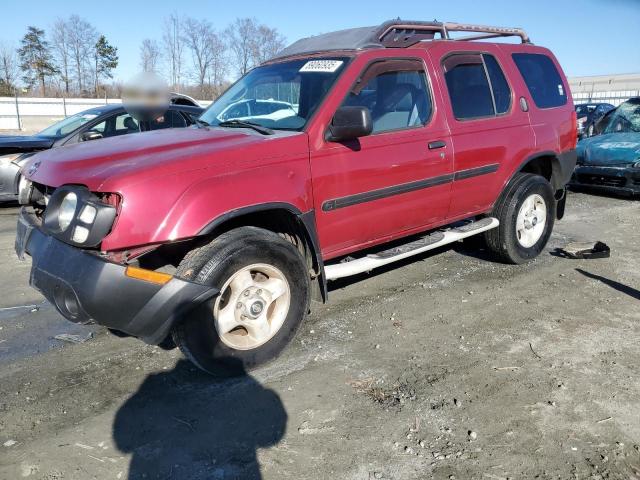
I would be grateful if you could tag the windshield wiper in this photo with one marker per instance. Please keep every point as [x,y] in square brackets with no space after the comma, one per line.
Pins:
[244,124]
[201,123]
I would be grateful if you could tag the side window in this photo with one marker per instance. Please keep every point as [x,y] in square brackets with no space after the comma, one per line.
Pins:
[125,124]
[121,124]
[468,86]
[499,85]
[542,78]
[170,119]
[396,93]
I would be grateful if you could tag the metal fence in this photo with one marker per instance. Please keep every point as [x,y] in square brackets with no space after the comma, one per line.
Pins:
[34,114]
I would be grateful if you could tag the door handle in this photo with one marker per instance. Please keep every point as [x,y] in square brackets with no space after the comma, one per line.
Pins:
[437,144]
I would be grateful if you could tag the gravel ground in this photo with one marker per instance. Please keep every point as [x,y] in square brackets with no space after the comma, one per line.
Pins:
[447,366]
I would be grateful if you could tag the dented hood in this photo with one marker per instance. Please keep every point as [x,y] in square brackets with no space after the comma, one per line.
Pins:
[131,158]
[609,149]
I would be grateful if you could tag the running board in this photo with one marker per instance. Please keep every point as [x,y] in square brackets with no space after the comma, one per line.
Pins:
[423,244]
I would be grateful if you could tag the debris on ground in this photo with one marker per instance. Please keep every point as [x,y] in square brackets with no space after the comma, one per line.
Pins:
[584,250]
[9,443]
[67,337]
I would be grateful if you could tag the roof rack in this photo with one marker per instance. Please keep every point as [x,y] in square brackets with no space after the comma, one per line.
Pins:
[396,34]
[402,34]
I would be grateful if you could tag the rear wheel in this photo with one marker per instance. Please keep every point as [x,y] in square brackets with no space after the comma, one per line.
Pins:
[264,297]
[526,211]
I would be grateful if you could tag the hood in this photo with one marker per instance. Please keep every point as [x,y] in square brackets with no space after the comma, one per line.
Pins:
[26,143]
[132,158]
[609,149]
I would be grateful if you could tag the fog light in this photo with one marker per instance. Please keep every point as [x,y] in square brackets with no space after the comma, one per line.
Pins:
[88,215]
[80,234]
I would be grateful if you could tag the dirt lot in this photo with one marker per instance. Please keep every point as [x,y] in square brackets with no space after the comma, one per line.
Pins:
[450,366]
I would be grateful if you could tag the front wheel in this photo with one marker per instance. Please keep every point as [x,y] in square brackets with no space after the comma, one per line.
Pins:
[264,297]
[526,211]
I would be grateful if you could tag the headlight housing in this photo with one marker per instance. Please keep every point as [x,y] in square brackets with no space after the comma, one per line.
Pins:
[636,165]
[77,216]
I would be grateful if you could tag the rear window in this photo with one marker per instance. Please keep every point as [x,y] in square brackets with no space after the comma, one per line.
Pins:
[542,78]
[477,87]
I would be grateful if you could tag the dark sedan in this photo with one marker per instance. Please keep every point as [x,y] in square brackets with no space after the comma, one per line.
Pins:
[588,115]
[96,123]
[611,161]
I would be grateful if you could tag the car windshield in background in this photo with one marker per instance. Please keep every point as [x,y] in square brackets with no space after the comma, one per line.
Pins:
[281,96]
[625,118]
[68,125]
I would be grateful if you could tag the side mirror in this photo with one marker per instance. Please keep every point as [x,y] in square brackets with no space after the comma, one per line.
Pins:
[90,135]
[350,123]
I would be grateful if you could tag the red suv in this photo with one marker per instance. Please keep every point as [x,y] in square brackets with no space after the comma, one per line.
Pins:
[215,238]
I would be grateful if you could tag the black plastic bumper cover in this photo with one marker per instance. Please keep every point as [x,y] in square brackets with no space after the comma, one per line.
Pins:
[88,289]
[607,178]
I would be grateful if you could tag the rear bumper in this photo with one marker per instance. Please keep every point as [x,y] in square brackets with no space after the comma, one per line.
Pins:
[85,288]
[613,179]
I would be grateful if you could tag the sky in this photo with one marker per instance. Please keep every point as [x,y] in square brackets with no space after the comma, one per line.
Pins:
[589,37]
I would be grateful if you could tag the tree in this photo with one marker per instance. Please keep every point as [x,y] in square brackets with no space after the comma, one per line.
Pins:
[268,41]
[174,47]
[61,48]
[252,43]
[240,35]
[8,68]
[82,41]
[36,59]
[207,52]
[105,59]
[149,55]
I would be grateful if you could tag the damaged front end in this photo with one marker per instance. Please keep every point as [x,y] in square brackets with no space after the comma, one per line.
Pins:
[84,285]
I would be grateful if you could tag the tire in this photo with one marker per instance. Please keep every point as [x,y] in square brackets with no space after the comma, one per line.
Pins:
[522,235]
[239,262]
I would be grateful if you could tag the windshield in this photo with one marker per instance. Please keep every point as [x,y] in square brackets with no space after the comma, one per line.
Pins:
[625,118]
[282,96]
[68,125]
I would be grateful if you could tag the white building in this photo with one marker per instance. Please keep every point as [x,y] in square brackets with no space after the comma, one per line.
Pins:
[613,89]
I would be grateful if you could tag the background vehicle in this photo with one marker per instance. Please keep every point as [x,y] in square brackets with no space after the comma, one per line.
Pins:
[93,124]
[610,161]
[588,115]
[403,140]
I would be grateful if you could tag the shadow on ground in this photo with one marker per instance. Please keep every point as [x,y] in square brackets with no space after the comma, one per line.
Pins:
[621,287]
[185,424]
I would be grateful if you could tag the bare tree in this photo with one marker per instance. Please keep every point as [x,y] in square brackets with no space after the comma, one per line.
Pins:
[149,55]
[219,66]
[8,65]
[174,46]
[240,35]
[267,42]
[62,51]
[252,43]
[82,40]
[207,52]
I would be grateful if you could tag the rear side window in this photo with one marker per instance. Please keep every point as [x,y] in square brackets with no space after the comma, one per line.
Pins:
[477,87]
[542,78]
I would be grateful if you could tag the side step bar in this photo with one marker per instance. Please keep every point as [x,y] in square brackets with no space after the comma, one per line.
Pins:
[423,244]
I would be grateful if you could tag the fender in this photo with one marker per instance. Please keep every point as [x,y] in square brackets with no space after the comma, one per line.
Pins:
[307,221]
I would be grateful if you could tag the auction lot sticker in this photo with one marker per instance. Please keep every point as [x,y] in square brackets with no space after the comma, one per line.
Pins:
[324,66]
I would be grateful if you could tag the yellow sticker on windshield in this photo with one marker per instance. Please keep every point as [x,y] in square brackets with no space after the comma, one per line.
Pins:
[324,66]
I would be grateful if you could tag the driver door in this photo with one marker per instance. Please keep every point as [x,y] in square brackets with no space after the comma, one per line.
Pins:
[394,181]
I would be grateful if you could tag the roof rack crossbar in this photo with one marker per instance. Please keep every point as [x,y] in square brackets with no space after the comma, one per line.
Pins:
[402,34]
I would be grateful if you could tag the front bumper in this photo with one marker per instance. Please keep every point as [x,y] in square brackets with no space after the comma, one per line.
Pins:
[9,176]
[614,179]
[85,288]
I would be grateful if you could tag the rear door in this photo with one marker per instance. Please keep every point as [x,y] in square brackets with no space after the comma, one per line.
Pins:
[489,130]
[390,182]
